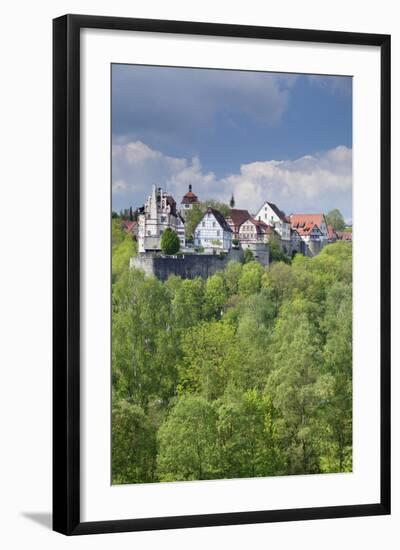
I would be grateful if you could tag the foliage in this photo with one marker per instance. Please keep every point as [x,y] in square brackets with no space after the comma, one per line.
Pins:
[276,254]
[169,241]
[133,444]
[250,278]
[123,248]
[187,441]
[248,256]
[247,373]
[335,219]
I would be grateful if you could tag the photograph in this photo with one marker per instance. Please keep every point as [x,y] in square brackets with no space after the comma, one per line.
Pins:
[231,274]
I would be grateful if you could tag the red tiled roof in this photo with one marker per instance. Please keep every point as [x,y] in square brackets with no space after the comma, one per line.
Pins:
[261,226]
[189,197]
[331,233]
[238,216]
[345,235]
[301,220]
[128,226]
[306,229]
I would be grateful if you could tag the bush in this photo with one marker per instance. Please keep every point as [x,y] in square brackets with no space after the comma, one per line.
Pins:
[169,242]
[248,256]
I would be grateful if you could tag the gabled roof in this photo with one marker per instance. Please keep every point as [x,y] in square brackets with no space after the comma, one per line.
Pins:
[261,226]
[219,217]
[306,229]
[238,216]
[281,215]
[298,220]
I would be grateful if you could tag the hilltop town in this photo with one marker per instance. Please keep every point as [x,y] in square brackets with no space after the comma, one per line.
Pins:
[219,235]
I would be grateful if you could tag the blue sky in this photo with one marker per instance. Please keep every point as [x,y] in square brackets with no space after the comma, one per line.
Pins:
[263,136]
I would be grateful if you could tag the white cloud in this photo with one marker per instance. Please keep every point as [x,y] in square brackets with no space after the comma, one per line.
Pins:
[318,182]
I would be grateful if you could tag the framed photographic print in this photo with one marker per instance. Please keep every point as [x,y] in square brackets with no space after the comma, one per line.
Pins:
[221,274]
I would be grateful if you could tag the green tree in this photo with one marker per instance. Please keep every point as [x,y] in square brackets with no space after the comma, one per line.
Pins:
[192,219]
[232,275]
[294,387]
[187,303]
[253,337]
[337,366]
[133,444]
[215,295]
[216,205]
[169,241]
[279,280]
[246,436]
[250,279]
[123,248]
[275,251]
[187,441]
[209,356]
[144,350]
[335,219]
[248,256]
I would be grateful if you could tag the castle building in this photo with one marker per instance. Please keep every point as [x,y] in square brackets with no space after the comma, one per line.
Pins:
[158,213]
[187,202]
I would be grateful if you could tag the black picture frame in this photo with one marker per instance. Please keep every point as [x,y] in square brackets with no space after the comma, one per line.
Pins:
[66,273]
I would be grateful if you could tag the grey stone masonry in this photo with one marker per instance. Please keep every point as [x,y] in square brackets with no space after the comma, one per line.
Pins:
[187,266]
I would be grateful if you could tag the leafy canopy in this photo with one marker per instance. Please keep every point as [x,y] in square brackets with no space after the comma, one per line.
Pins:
[169,242]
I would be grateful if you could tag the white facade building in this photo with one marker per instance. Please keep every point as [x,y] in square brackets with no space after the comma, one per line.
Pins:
[213,232]
[270,214]
[159,212]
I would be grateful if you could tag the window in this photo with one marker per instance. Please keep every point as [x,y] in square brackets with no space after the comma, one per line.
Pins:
[203,224]
[163,219]
[218,233]
[213,224]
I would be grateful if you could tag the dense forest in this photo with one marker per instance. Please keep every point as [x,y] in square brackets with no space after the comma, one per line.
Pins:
[247,373]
